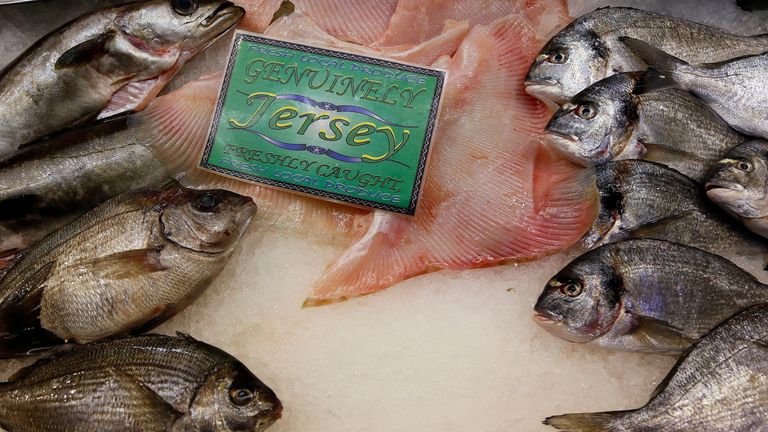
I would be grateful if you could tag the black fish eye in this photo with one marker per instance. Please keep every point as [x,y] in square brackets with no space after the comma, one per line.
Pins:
[184,7]
[586,111]
[240,397]
[744,166]
[206,202]
[571,289]
[558,57]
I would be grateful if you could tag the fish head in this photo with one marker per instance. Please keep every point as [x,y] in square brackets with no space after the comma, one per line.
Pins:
[185,25]
[233,399]
[595,126]
[580,303]
[209,221]
[739,183]
[571,61]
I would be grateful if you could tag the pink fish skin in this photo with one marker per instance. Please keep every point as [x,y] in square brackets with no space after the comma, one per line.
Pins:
[493,192]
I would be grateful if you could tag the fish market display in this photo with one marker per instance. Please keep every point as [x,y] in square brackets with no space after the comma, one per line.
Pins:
[718,385]
[739,184]
[145,383]
[588,49]
[611,120]
[492,195]
[127,265]
[640,199]
[645,295]
[735,89]
[102,64]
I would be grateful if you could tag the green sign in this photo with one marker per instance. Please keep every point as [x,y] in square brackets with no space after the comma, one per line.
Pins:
[332,124]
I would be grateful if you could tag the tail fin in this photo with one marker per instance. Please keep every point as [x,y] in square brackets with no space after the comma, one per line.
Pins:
[592,422]
[663,67]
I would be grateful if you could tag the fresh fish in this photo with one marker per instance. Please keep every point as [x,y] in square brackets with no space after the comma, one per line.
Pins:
[102,64]
[640,199]
[144,383]
[735,89]
[532,202]
[718,385]
[125,266]
[588,49]
[644,295]
[67,175]
[739,184]
[611,120]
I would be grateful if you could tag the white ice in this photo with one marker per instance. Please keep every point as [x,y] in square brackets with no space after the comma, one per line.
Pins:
[445,352]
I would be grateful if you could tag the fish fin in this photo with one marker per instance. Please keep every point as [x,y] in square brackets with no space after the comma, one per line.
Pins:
[662,335]
[663,154]
[587,422]
[127,264]
[137,95]
[662,66]
[650,230]
[22,306]
[84,52]
[286,8]
[156,414]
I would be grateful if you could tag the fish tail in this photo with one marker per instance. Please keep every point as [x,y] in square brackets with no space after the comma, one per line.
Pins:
[663,69]
[591,422]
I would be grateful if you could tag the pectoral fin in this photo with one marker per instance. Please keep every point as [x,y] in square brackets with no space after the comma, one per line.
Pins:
[656,228]
[150,411]
[127,264]
[665,154]
[84,52]
[661,335]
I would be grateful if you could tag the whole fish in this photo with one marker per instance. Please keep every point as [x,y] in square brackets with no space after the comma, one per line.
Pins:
[611,120]
[718,385]
[588,49]
[67,175]
[641,199]
[739,184]
[144,383]
[104,63]
[734,89]
[644,295]
[123,267]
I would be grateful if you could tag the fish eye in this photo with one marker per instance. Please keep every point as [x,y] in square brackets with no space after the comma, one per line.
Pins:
[586,111]
[184,7]
[240,397]
[558,57]
[571,289]
[206,202]
[744,165]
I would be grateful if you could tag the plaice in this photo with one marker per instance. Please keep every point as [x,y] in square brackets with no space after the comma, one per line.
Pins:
[493,194]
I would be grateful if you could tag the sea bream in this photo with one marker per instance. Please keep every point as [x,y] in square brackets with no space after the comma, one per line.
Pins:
[588,49]
[125,266]
[612,120]
[104,63]
[644,295]
[641,199]
[739,184]
[718,385]
[734,88]
[145,383]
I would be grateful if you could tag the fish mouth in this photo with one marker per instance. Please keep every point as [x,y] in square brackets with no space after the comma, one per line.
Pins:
[555,325]
[227,14]
[546,319]
[547,90]
[722,184]
[569,147]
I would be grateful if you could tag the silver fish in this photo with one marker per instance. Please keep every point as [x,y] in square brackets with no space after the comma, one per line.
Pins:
[644,295]
[144,383]
[588,49]
[611,120]
[102,64]
[641,199]
[718,385]
[734,89]
[123,267]
[739,184]
[69,174]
